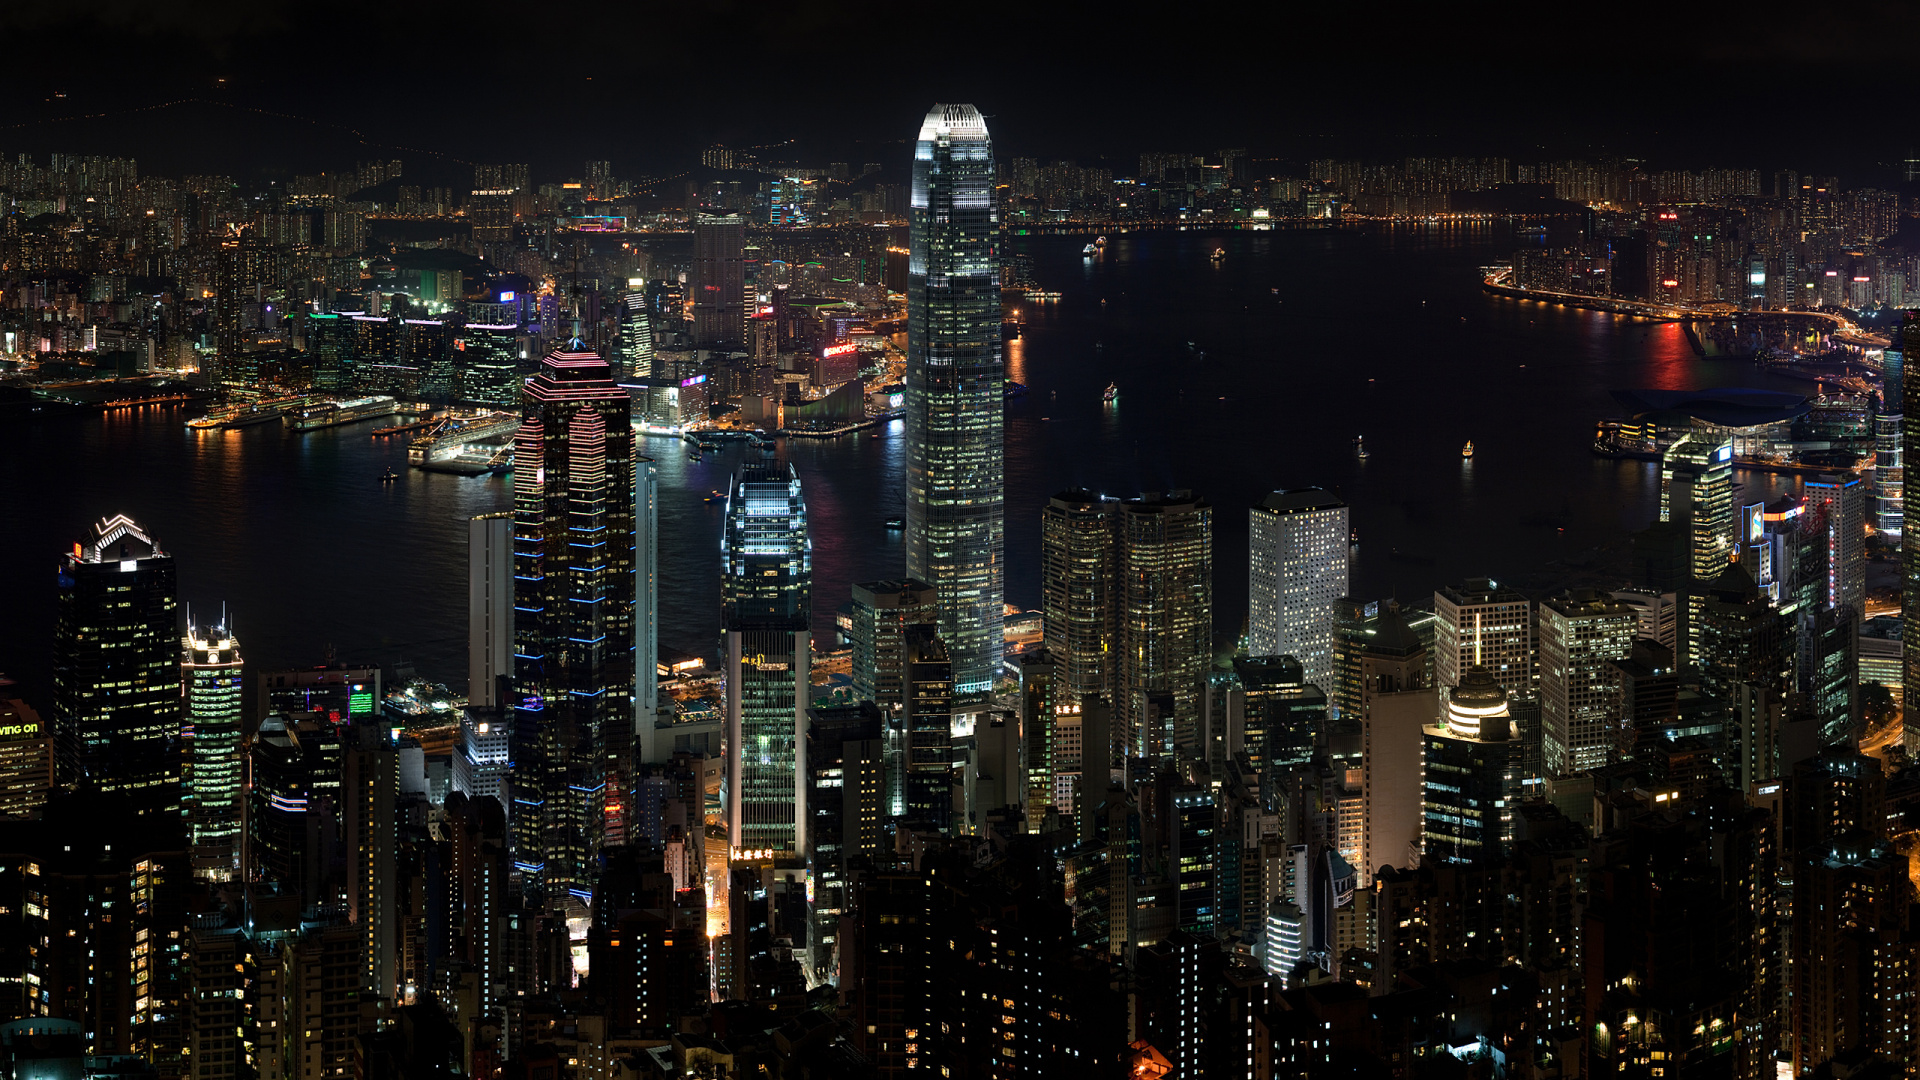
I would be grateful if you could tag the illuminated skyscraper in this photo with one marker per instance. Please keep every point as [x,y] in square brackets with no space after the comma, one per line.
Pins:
[956,391]
[1297,568]
[116,667]
[1480,623]
[719,280]
[1889,457]
[1163,619]
[1076,587]
[1580,633]
[636,337]
[1696,498]
[1471,774]
[1696,490]
[766,608]
[1840,504]
[573,537]
[211,669]
[882,612]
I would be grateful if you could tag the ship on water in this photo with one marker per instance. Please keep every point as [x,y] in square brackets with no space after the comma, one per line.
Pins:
[243,414]
[330,412]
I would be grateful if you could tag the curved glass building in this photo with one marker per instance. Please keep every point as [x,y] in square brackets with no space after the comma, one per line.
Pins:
[956,376]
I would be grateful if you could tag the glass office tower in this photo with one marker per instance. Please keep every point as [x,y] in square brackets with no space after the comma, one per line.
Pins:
[573,569]
[956,390]
[766,600]
[116,667]
[211,666]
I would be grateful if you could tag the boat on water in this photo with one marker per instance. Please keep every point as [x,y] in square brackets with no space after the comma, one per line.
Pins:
[895,523]
[228,417]
[1111,393]
[389,476]
[1088,250]
[333,412]
[1532,230]
[716,495]
[1219,253]
[1360,446]
[1099,241]
[1467,451]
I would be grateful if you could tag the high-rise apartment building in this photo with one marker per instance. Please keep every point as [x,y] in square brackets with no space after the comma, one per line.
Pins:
[1076,588]
[1581,632]
[573,536]
[1482,623]
[1163,619]
[719,280]
[766,595]
[117,708]
[211,671]
[1297,568]
[956,390]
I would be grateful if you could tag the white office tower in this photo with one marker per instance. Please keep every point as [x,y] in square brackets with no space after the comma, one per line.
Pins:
[1481,623]
[1298,568]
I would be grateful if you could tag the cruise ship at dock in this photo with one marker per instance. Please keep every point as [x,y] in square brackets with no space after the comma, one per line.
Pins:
[328,412]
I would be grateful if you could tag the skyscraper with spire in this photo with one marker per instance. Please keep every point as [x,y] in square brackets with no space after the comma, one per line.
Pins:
[956,391]
[573,571]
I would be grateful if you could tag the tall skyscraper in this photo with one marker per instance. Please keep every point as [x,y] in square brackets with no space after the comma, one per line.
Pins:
[490,590]
[1163,619]
[636,337]
[116,667]
[718,280]
[1696,499]
[1297,568]
[1889,454]
[1839,503]
[1581,632]
[1471,772]
[211,669]
[766,597]
[882,611]
[1909,544]
[1076,586]
[1481,623]
[573,535]
[956,391]
[646,608]
[928,724]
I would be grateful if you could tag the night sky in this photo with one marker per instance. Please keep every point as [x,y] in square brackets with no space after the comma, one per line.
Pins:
[645,85]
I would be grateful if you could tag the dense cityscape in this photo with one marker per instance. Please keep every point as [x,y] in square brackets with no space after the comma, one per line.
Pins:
[1649,819]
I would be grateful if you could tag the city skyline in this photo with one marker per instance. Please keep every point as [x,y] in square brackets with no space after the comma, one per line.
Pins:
[1454,625]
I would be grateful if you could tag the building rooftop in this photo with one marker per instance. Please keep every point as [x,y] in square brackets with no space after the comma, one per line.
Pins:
[1727,406]
[1295,500]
